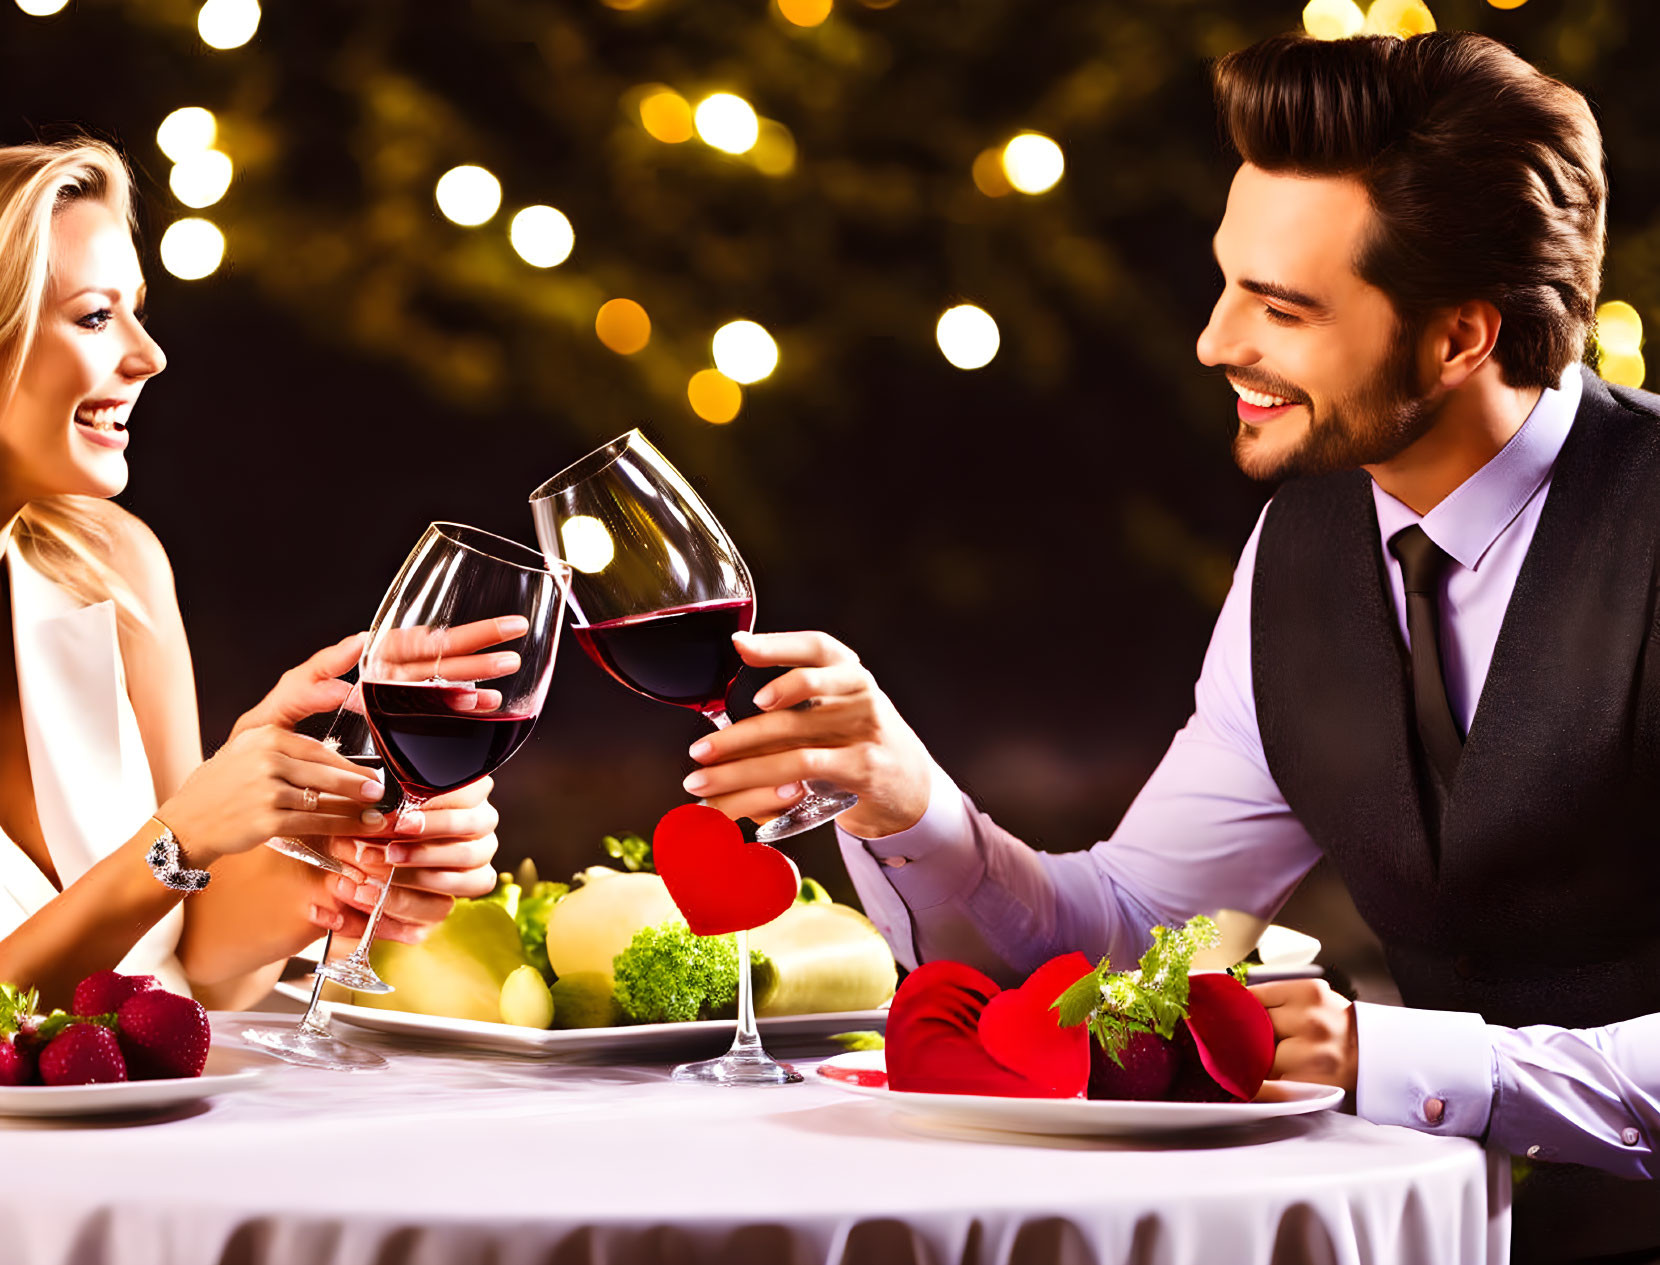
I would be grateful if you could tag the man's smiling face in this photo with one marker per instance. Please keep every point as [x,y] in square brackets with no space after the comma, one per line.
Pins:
[1326,374]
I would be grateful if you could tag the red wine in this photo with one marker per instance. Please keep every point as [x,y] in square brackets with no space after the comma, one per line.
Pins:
[430,746]
[683,655]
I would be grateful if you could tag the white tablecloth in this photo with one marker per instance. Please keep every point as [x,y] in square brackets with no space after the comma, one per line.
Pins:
[449,1158]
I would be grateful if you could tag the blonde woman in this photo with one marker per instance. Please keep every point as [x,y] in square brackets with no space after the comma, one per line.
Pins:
[119,845]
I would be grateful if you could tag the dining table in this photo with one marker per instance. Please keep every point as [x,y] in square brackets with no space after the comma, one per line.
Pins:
[454,1155]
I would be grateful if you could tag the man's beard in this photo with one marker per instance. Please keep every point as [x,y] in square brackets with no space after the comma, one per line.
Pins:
[1384,417]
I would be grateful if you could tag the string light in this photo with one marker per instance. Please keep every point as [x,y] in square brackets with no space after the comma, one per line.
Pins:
[201,179]
[542,235]
[1333,19]
[967,336]
[714,397]
[41,8]
[623,326]
[805,12]
[666,116]
[727,122]
[192,249]
[187,131]
[1403,18]
[468,195]
[226,24]
[744,351]
[1620,344]
[1033,163]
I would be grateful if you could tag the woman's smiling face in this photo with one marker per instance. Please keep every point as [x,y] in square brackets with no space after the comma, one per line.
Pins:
[64,429]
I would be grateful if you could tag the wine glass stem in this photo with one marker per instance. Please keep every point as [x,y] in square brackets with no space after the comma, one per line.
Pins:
[720,720]
[748,1037]
[310,1022]
[362,951]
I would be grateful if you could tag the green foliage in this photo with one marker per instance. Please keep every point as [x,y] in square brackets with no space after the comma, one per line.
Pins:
[17,1006]
[866,1039]
[531,918]
[633,851]
[668,974]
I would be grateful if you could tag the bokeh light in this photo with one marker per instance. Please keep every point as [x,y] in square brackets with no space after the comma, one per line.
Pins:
[187,131]
[1404,18]
[968,336]
[666,116]
[468,195]
[714,396]
[201,179]
[1333,19]
[1033,163]
[744,351]
[774,152]
[1619,328]
[624,5]
[727,122]
[192,249]
[623,326]
[1625,370]
[226,24]
[41,8]
[1507,4]
[542,235]
[587,544]
[988,174]
[805,12]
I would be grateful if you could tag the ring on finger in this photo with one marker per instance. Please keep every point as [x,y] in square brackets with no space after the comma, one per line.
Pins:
[308,800]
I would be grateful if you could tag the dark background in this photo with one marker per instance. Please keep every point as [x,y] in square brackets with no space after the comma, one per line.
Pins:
[1029,556]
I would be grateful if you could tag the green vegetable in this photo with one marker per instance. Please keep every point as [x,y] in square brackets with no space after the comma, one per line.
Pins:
[868,1039]
[456,971]
[812,893]
[1152,998]
[531,918]
[667,974]
[17,1007]
[525,1000]
[633,851]
[505,893]
[582,999]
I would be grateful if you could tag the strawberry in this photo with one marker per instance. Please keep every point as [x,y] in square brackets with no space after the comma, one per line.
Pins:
[163,1034]
[82,1054]
[1149,1066]
[102,992]
[17,1061]
[17,1029]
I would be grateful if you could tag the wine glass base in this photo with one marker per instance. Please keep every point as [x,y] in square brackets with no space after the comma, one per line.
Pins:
[308,1049]
[360,977]
[821,804]
[739,1067]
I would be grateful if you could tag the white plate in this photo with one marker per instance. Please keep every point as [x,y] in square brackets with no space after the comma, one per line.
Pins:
[226,1070]
[711,1035]
[1074,1116]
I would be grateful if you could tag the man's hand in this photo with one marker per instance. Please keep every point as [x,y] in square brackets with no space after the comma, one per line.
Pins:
[314,686]
[826,720]
[1314,1033]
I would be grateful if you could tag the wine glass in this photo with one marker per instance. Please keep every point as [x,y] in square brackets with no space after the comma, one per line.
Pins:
[454,675]
[658,589]
[310,1042]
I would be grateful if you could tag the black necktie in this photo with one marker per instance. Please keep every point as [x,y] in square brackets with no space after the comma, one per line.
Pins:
[1422,564]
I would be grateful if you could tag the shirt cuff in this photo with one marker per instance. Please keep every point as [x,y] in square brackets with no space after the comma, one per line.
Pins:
[936,860]
[1411,1060]
[944,823]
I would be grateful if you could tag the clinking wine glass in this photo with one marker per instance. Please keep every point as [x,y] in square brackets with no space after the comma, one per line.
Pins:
[311,1042]
[658,589]
[451,689]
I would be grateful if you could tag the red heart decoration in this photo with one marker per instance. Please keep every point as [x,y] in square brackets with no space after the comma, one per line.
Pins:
[720,881]
[1020,1029]
[1233,1033]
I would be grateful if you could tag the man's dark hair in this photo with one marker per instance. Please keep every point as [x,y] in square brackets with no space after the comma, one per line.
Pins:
[1485,176]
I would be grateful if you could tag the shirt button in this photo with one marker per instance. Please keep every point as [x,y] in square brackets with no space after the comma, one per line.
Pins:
[1434,1109]
[1533,1151]
[893,863]
[1630,1137]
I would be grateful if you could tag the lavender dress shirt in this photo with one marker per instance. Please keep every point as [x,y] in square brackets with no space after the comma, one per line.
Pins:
[1211,830]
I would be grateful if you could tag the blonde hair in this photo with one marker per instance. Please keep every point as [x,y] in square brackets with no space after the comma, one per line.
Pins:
[62,537]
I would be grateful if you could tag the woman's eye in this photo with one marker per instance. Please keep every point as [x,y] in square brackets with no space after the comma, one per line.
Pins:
[96,320]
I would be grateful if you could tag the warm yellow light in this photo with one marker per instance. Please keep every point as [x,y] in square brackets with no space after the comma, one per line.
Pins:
[542,235]
[988,174]
[774,152]
[468,195]
[623,326]
[191,249]
[1619,329]
[1403,18]
[1033,163]
[667,116]
[587,544]
[714,396]
[1507,4]
[1333,19]
[744,351]
[805,12]
[624,5]
[200,179]
[727,122]
[187,131]
[968,336]
[41,8]
[228,23]
[1625,369]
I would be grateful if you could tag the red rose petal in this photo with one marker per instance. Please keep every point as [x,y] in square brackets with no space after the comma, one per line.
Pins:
[1020,1030]
[1233,1033]
[719,881]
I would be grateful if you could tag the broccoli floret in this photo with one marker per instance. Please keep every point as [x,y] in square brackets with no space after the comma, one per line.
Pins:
[667,974]
[531,917]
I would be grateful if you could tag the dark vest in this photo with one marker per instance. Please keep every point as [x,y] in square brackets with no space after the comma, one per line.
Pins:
[1530,892]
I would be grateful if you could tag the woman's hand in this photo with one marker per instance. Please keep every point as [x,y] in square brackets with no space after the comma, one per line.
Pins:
[444,850]
[314,686]
[827,720]
[267,781]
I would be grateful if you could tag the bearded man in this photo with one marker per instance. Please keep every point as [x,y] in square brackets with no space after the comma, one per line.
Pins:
[1439,664]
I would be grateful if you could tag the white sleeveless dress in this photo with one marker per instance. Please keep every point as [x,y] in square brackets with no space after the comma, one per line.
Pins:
[92,780]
